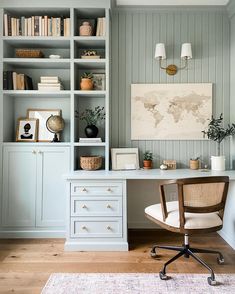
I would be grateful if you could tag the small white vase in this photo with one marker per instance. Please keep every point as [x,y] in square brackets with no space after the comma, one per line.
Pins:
[218,163]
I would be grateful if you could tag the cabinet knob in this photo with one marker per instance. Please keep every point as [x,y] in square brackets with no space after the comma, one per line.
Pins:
[34,151]
[84,228]
[109,206]
[84,190]
[39,152]
[84,206]
[109,228]
[109,190]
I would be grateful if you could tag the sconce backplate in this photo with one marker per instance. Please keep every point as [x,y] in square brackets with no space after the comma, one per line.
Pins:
[171,69]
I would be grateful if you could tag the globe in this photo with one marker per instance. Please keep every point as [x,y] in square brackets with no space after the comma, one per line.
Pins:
[55,125]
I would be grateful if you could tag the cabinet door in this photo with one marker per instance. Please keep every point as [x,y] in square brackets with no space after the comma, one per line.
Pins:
[53,162]
[19,186]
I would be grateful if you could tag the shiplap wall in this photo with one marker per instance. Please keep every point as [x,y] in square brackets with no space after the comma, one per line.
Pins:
[134,35]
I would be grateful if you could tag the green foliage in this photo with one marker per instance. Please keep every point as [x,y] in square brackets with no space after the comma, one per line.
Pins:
[216,132]
[148,155]
[92,116]
[87,75]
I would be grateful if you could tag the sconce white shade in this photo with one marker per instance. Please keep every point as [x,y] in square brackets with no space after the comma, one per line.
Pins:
[160,52]
[186,51]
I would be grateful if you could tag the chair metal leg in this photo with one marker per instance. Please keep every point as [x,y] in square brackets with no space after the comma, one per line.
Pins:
[201,250]
[171,260]
[175,248]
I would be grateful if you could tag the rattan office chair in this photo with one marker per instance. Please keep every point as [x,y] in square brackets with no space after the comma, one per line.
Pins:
[199,209]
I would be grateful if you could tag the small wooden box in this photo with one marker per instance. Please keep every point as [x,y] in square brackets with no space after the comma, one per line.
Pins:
[171,164]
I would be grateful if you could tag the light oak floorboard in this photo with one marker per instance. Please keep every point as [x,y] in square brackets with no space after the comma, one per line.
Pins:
[26,264]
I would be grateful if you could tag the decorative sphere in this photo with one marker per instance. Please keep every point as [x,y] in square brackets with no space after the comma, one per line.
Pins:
[55,123]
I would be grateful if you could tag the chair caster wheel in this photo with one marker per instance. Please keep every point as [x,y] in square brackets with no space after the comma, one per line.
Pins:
[153,253]
[220,260]
[163,276]
[211,282]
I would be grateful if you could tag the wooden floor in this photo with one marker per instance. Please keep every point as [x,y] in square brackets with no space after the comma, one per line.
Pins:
[26,264]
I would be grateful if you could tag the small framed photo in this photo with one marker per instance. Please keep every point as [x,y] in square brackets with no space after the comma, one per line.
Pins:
[27,130]
[125,158]
[99,81]
[42,115]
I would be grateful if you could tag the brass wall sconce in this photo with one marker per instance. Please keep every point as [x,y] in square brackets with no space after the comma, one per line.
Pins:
[186,54]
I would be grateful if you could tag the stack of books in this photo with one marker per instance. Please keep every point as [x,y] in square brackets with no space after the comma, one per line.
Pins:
[50,83]
[36,26]
[90,140]
[16,81]
[100,28]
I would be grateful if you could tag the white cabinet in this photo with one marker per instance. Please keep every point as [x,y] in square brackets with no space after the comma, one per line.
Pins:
[96,217]
[33,188]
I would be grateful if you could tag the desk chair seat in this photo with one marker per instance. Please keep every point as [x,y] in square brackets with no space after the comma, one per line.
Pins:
[199,209]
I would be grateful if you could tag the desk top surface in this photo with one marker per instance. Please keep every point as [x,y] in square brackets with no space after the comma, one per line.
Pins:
[142,174]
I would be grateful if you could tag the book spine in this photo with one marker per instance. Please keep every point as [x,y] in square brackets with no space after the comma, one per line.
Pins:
[36,26]
[9,80]
[6,30]
[9,25]
[32,25]
[17,27]
[46,25]
[5,82]
[14,80]
[104,27]
[40,25]
[29,26]
[26,26]
[22,26]
[43,27]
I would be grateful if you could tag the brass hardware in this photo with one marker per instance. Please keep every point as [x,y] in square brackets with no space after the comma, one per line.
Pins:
[109,228]
[108,206]
[109,190]
[84,228]
[84,190]
[84,206]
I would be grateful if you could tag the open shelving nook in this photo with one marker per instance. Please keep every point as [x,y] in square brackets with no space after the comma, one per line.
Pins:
[14,103]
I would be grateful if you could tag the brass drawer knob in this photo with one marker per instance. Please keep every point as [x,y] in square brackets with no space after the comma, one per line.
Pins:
[109,190]
[84,228]
[109,228]
[109,206]
[84,190]
[84,206]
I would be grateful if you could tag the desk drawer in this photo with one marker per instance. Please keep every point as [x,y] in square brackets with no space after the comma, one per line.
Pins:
[96,189]
[96,227]
[96,206]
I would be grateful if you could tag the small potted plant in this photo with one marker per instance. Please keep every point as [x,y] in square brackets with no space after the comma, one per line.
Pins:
[148,160]
[87,81]
[218,133]
[92,117]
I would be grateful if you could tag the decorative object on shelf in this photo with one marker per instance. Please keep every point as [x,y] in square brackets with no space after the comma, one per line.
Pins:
[171,164]
[160,54]
[86,29]
[216,132]
[92,117]
[55,56]
[125,158]
[29,53]
[55,124]
[90,140]
[43,114]
[99,81]
[170,111]
[194,163]
[148,160]
[16,81]
[90,54]
[101,26]
[163,166]
[50,84]
[87,81]
[27,130]
[90,162]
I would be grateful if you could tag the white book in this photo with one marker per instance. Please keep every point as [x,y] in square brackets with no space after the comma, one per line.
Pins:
[50,78]
[49,85]
[5,25]
[29,26]
[104,26]
[32,25]
[98,26]
[40,25]
[90,140]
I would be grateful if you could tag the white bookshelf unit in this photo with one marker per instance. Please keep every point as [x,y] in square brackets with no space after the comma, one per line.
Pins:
[14,105]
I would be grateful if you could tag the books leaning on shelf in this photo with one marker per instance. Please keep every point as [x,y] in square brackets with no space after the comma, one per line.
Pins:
[16,81]
[50,83]
[36,26]
[90,140]
[100,28]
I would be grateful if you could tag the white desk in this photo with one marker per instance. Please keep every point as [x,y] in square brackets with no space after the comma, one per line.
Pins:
[97,206]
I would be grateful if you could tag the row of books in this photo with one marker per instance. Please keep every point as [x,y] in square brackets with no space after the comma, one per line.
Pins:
[50,83]
[16,81]
[100,28]
[36,26]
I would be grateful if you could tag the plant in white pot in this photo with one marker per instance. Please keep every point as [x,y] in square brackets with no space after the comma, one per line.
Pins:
[218,133]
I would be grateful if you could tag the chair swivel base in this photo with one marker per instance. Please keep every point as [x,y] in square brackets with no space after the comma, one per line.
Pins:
[187,251]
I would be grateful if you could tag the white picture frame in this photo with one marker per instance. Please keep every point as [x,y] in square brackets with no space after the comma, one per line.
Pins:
[27,130]
[44,135]
[125,158]
[98,81]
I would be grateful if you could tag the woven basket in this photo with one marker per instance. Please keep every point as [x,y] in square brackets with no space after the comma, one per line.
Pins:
[29,53]
[90,162]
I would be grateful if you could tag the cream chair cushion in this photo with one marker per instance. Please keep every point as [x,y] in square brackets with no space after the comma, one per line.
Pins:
[192,220]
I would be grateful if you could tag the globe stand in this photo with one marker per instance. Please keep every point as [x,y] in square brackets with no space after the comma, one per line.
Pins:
[55,139]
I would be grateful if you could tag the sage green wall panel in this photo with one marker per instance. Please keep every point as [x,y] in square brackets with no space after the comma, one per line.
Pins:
[134,35]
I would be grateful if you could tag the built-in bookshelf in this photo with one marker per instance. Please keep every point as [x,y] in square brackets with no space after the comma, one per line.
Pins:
[55,31]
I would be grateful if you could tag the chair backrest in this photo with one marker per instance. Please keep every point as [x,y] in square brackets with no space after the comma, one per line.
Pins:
[197,195]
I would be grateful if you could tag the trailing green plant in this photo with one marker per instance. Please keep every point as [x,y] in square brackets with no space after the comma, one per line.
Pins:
[148,155]
[216,132]
[87,75]
[92,116]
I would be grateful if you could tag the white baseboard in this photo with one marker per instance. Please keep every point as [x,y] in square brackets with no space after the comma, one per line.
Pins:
[227,239]
[32,234]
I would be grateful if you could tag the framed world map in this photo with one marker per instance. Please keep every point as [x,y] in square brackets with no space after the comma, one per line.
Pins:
[170,111]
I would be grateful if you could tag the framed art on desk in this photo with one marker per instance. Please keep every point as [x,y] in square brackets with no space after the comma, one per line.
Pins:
[125,158]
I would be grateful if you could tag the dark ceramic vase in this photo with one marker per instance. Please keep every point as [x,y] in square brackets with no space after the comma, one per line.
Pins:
[91,131]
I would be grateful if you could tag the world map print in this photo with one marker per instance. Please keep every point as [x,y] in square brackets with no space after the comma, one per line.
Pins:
[170,111]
